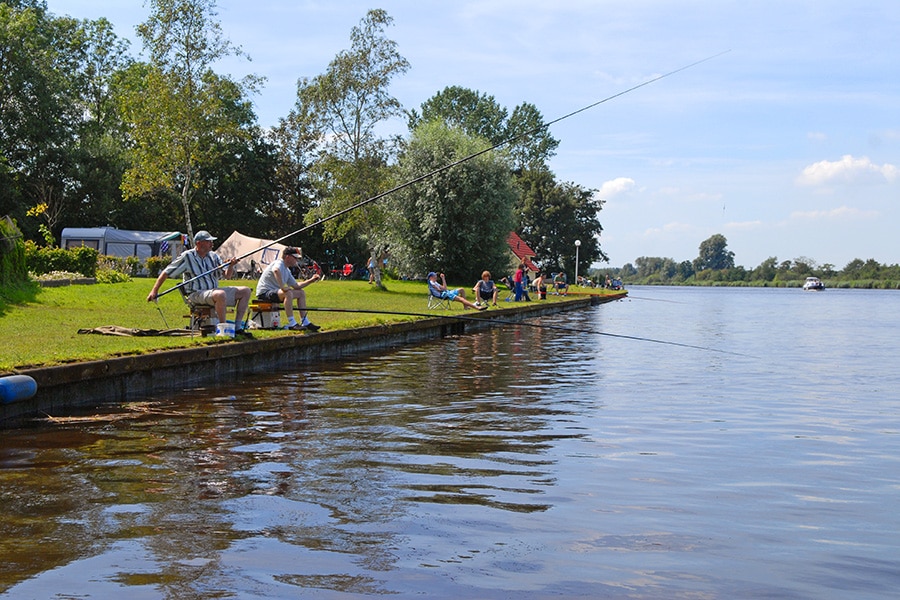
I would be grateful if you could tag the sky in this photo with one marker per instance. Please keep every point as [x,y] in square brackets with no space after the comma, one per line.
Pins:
[788,144]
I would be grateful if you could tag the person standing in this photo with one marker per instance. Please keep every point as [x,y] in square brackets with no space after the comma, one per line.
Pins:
[519,281]
[277,284]
[200,269]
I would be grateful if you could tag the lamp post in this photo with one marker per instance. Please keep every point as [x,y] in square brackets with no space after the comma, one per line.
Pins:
[577,246]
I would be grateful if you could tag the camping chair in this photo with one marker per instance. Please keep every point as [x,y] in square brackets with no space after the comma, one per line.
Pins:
[435,300]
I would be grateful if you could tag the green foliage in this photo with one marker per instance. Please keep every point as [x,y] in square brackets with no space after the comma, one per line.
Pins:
[12,254]
[112,276]
[155,264]
[554,216]
[41,260]
[455,221]
[713,254]
[178,110]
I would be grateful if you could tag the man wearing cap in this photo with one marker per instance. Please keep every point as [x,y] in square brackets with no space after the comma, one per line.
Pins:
[277,284]
[202,263]
[440,289]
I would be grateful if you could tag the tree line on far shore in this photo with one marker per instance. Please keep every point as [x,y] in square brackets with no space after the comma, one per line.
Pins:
[715,266]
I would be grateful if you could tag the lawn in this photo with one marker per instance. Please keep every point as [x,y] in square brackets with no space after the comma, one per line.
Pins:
[42,328]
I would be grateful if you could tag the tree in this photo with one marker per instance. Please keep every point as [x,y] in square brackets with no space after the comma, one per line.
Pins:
[455,221]
[554,215]
[479,115]
[350,100]
[531,144]
[38,115]
[182,113]
[713,254]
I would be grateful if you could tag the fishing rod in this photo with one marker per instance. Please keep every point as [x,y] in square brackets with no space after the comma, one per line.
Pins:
[481,318]
[448,166]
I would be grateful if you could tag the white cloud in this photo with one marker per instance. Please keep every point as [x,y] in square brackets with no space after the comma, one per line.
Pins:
[816,136]
[614,187]
[843,212]
[668,228]
[848,170]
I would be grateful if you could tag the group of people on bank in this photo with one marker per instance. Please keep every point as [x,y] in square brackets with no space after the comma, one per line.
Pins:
[201,269]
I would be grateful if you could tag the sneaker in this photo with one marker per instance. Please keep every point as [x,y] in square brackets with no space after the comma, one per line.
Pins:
[296,327]
[311,327]
[243,333]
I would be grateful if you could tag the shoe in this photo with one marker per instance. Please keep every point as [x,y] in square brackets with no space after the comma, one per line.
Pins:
[243,333]
[483,307]
[295,327]
[311,327]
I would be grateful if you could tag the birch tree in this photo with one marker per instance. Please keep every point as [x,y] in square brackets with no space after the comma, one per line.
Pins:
[178,117]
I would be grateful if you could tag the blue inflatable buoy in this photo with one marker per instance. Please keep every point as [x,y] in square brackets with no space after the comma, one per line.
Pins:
[17,387]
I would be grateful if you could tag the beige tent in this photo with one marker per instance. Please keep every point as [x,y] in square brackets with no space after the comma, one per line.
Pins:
[239,245]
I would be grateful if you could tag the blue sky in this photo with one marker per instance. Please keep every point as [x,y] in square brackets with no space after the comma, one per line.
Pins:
[788,144]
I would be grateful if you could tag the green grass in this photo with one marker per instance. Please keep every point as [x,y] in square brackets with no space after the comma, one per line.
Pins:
[39,326]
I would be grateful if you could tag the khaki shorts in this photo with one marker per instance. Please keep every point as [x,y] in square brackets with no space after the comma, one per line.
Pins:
[205,296]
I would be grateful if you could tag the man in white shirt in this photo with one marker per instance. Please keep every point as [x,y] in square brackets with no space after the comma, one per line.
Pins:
[277,284]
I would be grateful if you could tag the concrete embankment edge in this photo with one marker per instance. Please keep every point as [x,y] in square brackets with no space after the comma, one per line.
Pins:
[65,389]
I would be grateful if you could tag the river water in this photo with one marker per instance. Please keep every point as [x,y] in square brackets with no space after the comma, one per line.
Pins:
[758,459]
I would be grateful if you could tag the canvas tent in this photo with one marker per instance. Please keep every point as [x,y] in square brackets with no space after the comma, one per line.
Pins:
[122,242]
[238,245]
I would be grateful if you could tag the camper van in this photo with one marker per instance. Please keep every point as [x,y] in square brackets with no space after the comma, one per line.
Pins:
[121,242]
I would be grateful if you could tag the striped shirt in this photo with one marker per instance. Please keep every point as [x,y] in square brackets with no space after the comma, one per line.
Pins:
[189,264]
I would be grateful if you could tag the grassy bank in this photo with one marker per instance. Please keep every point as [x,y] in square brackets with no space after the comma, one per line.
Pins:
[41,326]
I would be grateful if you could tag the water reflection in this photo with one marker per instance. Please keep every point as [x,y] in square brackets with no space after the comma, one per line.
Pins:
[326,459]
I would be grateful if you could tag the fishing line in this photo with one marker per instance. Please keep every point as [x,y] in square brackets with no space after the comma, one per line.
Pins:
[449,166]
[490,320]
[161,313]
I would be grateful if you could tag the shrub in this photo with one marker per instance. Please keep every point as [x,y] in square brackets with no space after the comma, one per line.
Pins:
[46,260]
[112,276]
[155,264]
[12,254]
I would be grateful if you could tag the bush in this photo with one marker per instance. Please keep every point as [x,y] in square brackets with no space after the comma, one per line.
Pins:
[12,254]
[155,264]
[112,276]
[46,260]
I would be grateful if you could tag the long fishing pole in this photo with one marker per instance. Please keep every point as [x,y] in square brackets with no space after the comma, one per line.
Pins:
[447,167]
[482,318]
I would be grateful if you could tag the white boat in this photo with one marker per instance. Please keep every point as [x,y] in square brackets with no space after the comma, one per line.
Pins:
[813,284]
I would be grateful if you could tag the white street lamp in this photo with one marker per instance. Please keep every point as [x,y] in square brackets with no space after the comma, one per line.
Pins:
[577,246]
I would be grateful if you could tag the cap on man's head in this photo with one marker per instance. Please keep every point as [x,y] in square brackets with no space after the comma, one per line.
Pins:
[432,274]
[291,251]
[203,236]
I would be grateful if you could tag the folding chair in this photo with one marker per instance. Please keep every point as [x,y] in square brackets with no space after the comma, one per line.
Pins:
[435,301]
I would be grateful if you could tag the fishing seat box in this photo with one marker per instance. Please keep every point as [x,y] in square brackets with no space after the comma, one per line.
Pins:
[265,315]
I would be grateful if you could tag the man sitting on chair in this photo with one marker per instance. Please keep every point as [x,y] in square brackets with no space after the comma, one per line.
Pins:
[202,263]
[485,290]
[440,290]
[277,284]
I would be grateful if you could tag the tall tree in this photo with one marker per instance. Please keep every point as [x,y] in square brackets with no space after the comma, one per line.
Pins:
[478,114]
[351,99]
[554,215]
[38,115]
[475,113]
[457,220]
[182,115]
[713,254]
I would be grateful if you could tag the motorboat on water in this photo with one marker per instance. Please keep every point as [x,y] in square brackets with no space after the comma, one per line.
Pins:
[813,284]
